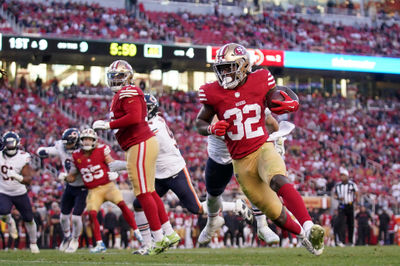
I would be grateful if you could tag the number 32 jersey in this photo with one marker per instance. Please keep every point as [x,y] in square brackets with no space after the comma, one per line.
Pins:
[243,108]
[93,168]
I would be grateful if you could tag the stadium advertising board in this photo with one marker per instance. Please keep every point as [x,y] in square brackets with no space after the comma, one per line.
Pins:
[260,57]
[104,48]
[339,62]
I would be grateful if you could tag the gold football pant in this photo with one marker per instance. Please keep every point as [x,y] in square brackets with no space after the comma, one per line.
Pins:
[141,165]
[254,173]
[100,194]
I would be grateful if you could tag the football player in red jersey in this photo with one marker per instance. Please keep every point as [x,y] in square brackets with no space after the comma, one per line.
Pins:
[129,120]
[238,99]
[92,161]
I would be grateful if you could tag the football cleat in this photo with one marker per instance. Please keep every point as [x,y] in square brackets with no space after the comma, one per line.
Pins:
[158,247]
[99,248]
[243,210]
[34,248]
[143,250]
[65,243]
[267,235]
[174,239]
[316,237]
[73,246]
[209,230]
[307,244]
[13,229]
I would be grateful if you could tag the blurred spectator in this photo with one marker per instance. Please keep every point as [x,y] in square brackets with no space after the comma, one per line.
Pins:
[384,220]
[110,225]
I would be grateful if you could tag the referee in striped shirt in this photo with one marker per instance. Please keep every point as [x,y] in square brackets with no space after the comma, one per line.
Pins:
[346,192]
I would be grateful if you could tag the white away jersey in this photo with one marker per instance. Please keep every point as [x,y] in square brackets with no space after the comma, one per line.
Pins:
[217,150]
[169,160]
[66,159]
[8,185]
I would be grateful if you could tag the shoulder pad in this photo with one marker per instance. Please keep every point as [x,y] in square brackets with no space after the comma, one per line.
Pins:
[128,91]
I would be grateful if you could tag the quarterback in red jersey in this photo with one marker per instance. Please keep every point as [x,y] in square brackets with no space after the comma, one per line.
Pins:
[238,99]
[129,119]
[91,161]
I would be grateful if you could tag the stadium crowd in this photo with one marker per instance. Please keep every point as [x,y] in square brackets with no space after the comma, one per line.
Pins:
[346,133]
[274,28]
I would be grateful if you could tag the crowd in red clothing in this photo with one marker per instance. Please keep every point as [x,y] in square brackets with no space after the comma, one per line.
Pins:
[331,132]
[274,28]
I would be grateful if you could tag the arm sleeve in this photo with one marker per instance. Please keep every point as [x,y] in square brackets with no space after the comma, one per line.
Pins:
[117,165]
[133,110]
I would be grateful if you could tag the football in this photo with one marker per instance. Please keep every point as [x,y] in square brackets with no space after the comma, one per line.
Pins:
[276,95]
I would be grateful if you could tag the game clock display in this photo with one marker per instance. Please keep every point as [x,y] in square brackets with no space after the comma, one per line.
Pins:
[123,49]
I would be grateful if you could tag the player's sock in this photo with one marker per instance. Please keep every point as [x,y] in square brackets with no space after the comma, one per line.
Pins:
[95,225]
[128,214]
[32,231]
[228,206]
[261,219]
[150,209]
[76,226]
[294,202]
[214,205]
[162,214]
[143,226]
[157,235]
[167,228]
[291,225]
[65,225]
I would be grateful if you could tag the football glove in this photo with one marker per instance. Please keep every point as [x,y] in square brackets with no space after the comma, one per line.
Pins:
[112,176]
[280,146]
[14,175]
[219,128]
[62,176]
[100,124]
[286,106]
[42,153]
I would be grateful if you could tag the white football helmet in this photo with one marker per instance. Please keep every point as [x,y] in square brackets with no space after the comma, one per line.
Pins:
[232,64]
[119,74]
[88,139]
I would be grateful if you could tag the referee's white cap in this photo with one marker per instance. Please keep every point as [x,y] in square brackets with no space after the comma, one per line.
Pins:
[343,171]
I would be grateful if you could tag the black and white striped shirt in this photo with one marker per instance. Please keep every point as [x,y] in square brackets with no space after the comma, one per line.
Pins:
[346,191]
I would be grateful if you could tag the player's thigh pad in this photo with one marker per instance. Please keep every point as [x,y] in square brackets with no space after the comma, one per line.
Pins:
[256,190]
[5,204]
[80,194]
[113,194]
[95,198]
[217,177]
[270,163]
[23,205]
[141,165]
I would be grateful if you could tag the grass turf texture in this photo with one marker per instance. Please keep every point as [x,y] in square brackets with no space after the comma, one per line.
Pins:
[371,255]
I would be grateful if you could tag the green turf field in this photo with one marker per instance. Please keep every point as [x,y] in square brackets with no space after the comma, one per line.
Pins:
[372,255]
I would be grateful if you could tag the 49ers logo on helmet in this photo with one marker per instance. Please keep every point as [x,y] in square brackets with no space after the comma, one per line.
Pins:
[240,50]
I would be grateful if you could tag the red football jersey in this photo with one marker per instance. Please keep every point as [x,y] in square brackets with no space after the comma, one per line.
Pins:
[243,108]
[129,117]
[93,168]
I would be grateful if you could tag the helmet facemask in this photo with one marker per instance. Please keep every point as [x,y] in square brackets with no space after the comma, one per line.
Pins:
[88,139]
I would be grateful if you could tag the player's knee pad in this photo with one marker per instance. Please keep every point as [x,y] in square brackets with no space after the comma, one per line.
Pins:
[277,181]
